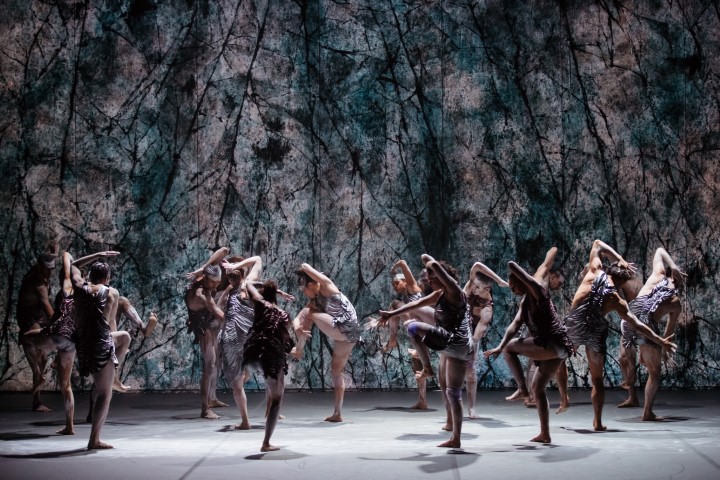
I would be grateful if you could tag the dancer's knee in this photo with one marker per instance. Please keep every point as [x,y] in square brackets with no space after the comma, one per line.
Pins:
[454,395]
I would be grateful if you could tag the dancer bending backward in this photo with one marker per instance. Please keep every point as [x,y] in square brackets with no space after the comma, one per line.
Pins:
[239,315]
[408,290]
[335,316]
[657,298]
[548,344]
[95,302]
[478,291]
[587,324]
[451,336]
[204,321]
[268,344]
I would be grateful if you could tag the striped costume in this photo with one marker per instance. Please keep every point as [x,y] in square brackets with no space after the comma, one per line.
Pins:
[586,324]
[643,308]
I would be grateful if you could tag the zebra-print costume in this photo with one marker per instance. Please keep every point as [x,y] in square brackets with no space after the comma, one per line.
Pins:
[94,344]
[586,324]
[239,317]
[342,312]
[643,308]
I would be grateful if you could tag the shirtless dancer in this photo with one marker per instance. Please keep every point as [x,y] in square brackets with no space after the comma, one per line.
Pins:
[239,315]
[478,290]
[33,312]
[95,302]
[548,344]
[657,298]
[587,324]
[204,321]
[334,315]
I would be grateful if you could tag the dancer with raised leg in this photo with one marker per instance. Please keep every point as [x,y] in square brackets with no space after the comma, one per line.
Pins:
[334,315]
[547,344]
[451,336]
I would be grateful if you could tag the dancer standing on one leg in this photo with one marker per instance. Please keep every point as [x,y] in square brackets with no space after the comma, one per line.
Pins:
[548,344]
[123,338]
[204,321]
[334,315]
[239,316]
[451,336]
[95,302]
[587,325]
[478,291]
[268,344]
[657,298]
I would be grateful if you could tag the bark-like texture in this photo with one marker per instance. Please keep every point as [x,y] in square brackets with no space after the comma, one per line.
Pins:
[350,134]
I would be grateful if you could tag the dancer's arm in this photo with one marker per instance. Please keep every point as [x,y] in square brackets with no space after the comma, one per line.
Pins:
[661,262]
[510,332]
[453,292]
[621,307]
[410,281]
[214,259]
[327,287]
[426,301]
[533,287]
[82,261]
[601,249]
[544,270]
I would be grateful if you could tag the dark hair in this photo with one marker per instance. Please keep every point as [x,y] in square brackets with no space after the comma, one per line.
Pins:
[449,269]
[269,291]
[618,272]
[303,277]
[238,273]
[483,278]
[99,271]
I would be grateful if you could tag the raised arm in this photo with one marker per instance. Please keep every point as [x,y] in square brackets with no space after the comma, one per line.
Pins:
[479,267]
[214,259]
[544,270]
[255,264]
[533,286]
[661,262]
[452,289]
[87,259]
[410,281]
[326,285]
[602,250]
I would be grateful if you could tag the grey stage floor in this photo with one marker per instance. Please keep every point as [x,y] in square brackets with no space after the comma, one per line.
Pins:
[160,436]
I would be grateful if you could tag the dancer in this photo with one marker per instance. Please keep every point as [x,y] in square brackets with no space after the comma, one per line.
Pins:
[587,325]
[204,322]
[331,311]
[268,344]
[239,315]
[95,302]
[657,298]
[122,338]
[478,291]
[451,336]
[548,344]
[33,312]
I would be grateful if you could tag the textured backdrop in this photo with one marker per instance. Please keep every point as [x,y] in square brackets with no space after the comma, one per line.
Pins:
[351,134]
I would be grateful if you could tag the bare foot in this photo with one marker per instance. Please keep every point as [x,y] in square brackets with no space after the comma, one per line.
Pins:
[296,354]
[530,403]
[66,431]
[269,448]
[447,427]
[149,327]
[281,417]
[119,387]
[651,417]
[542,438]
[419,406]
[473,414]
[599,427]
[217,404]
[562,408]
[518,395]
[98,446]
[413,353]
[209,414]
[243,426]
[450,444]
[390,345]
[629,403]
[41,408]
[335,418]
[424,373]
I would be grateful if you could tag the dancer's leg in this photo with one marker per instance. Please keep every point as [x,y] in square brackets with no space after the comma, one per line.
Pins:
[65,364]
[208,347]
[274,388]
[103,381]
[454,376]
[238,390]
[544,373]
[596,362]
[510,354]
[651,357]
[471,381]
[561,379]
[340,356]
[629,372]
[122,344]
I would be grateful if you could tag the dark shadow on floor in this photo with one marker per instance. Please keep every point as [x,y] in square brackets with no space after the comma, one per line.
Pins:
[63,453]
[586,431]
[398,409]
[282,455]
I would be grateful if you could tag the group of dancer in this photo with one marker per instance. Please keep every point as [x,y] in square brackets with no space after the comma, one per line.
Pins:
[235,318]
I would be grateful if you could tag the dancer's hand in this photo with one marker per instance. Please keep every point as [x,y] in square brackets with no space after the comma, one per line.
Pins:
[384,317]
[630,266]
[492,353]
[668,346]
[193,275]
[109,253]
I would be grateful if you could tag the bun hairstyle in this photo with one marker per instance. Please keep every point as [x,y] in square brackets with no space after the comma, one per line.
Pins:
[619,272]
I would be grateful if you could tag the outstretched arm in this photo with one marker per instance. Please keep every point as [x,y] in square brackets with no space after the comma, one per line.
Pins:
[532,285]
[214,259]
[410,281]
[509,334]
[428,300]
[621,307]
[87,259]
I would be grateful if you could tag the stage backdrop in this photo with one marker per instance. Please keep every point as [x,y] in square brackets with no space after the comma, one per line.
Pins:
[352,134]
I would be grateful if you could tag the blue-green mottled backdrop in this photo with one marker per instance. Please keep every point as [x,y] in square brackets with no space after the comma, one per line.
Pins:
[350,134]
